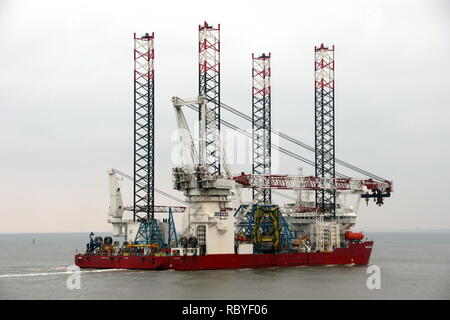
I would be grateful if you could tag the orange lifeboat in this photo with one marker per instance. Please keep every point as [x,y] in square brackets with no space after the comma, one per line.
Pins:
[354,235]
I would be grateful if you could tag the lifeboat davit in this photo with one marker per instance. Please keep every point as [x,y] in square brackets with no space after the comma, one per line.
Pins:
[354,235]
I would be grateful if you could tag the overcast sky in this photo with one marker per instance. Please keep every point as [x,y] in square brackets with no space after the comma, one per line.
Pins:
[66,97]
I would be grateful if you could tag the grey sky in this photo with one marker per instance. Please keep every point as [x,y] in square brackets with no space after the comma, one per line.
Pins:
[66,97]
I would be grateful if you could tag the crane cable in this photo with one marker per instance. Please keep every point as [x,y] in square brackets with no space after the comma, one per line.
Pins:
[301,144]
[281,149]
[156,189]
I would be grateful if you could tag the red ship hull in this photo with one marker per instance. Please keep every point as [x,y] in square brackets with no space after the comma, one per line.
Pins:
[122,262]
[358,254]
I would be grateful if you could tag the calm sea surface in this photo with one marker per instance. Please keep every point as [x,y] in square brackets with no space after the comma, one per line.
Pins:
[413,266]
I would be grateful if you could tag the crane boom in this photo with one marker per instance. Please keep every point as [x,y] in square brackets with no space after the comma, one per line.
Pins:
[163,209]
[289,182]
